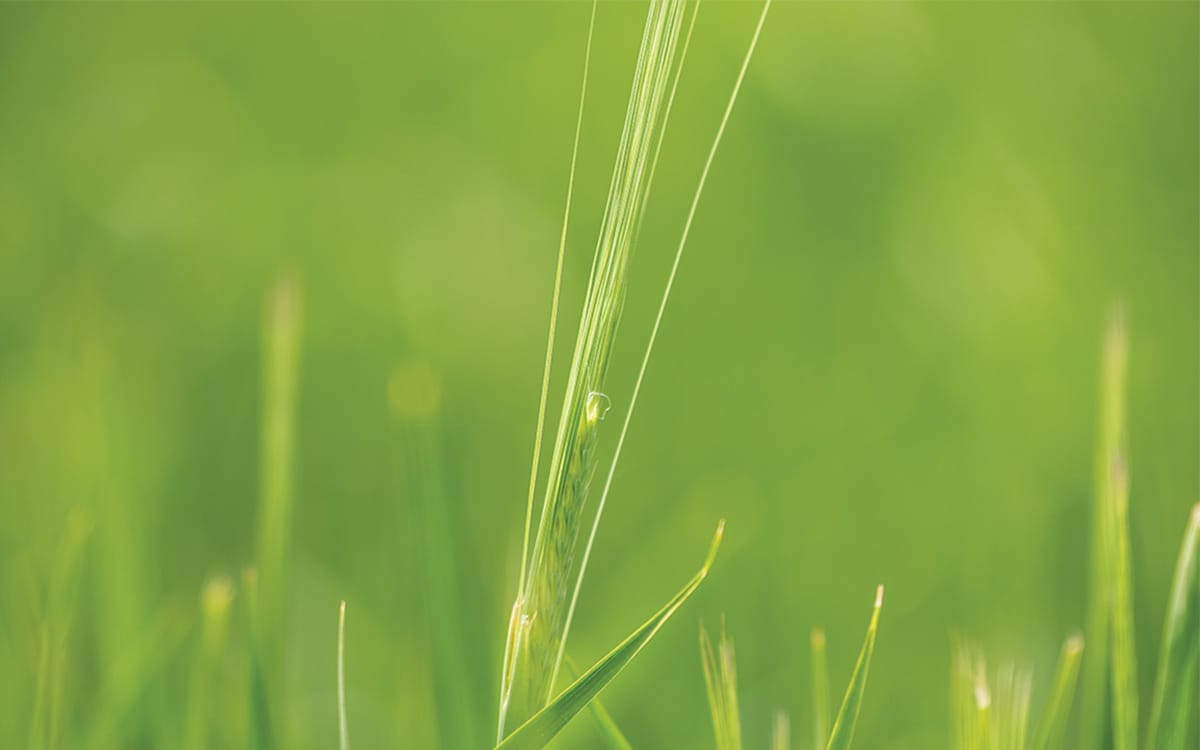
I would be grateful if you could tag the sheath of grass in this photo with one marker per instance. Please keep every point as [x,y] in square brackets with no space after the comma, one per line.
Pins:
[720,679]
[414,395]
[1175,685]
[1053,726]
[546,723]
[215,601]
[281,350]
[550,579]
[820,688]
[843,727]
[1094,700]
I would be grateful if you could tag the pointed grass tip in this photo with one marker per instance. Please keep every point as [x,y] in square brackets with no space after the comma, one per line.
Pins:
[713,547]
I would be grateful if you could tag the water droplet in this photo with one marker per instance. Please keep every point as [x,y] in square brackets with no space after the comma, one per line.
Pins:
[597,406]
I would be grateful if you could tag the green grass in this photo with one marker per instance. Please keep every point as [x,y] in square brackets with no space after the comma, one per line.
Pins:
[233,653]
[995,715]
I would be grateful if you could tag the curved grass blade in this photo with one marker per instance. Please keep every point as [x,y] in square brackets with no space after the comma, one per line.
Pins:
[343,730]
[1054,721]
[1179,659]
[847,718]
[546,723]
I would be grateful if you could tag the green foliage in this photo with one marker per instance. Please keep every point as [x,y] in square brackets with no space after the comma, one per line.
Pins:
[162,163]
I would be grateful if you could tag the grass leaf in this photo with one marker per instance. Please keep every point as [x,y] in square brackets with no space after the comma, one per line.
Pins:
[612,734]
[1053,725]
[1179,659]
[1109,444]
[545,724]
[820,688]
[414,397]
[343,727]
[1123,670]
[281,354]
[847,718]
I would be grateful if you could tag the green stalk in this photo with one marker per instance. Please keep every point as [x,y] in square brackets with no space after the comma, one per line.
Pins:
[1094,701]
[343,725]
[414,392]
[281,352]
[820,688]
[215,601]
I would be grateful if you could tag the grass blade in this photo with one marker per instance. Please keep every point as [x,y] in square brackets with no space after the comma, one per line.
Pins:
[259,728]
[820,687]
[545,724]
[1110,439]
[720,678]
[343,730]
[1179,659]
[1124,654]
[612,734]
[215,602]
[1054,720]
[414,396]
[847,718]
[281,353]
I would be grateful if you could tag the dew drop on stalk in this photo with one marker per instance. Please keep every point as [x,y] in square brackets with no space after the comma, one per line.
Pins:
[597,406]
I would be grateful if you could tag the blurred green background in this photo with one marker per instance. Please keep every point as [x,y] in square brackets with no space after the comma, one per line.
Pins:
[880,363]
